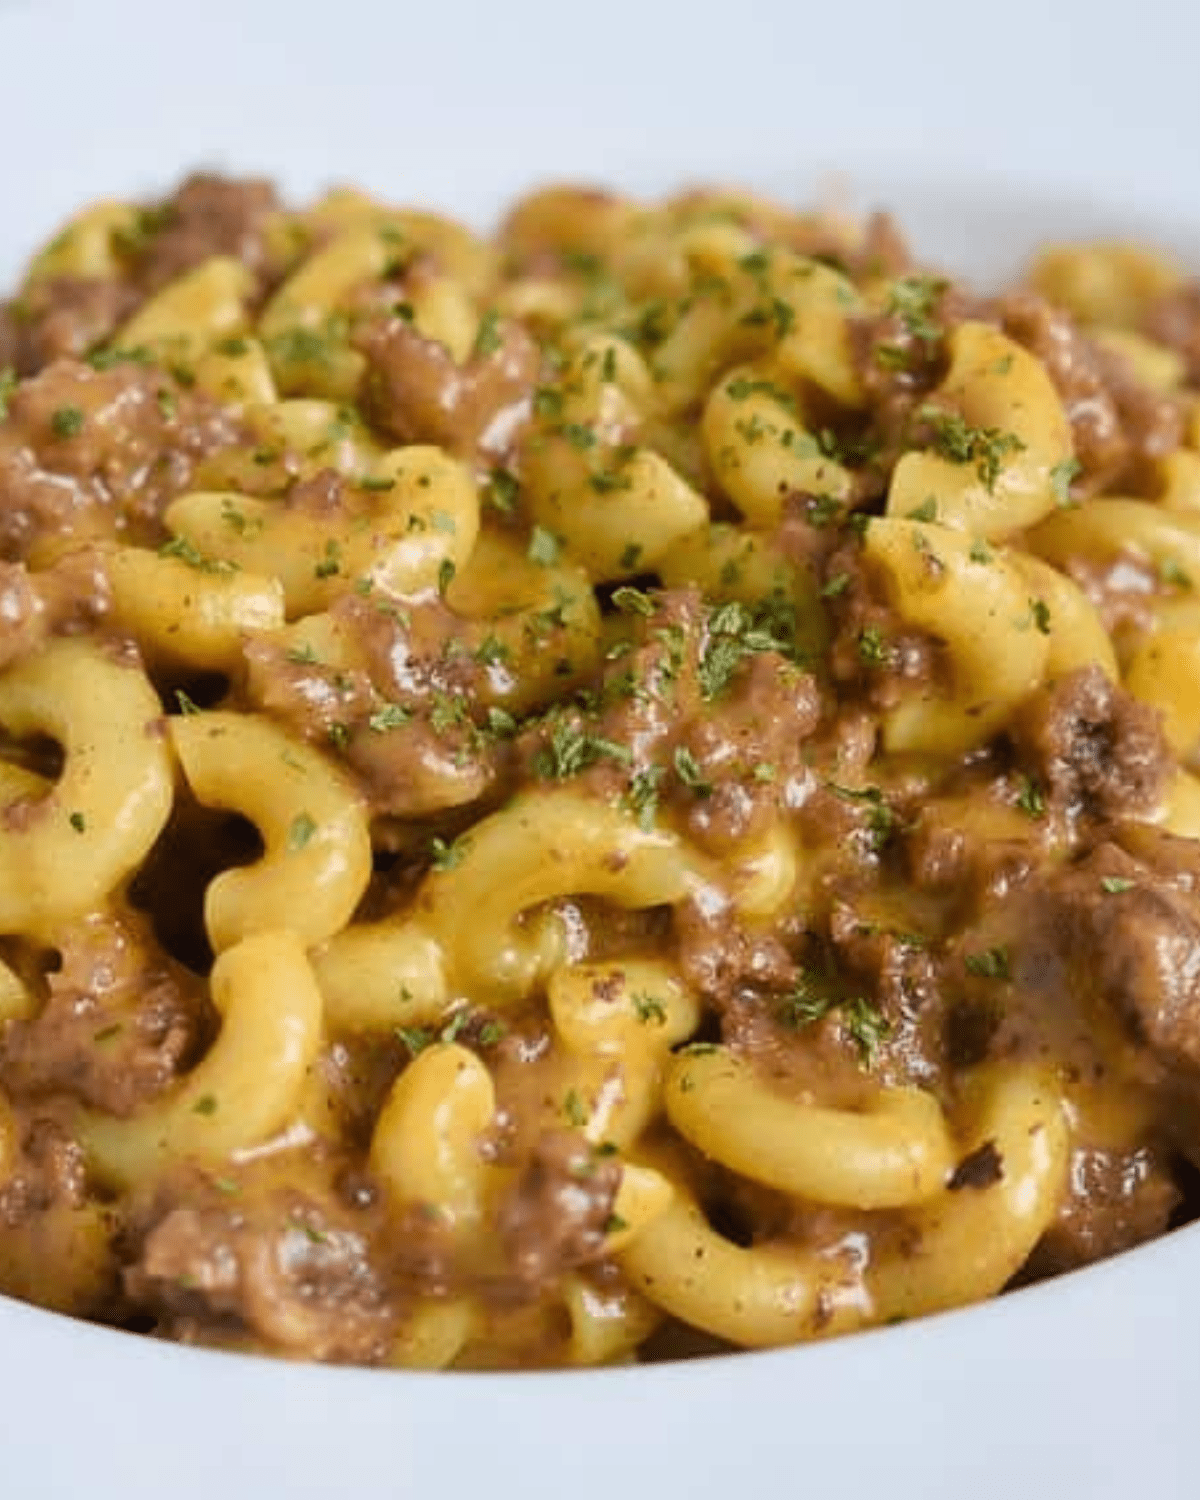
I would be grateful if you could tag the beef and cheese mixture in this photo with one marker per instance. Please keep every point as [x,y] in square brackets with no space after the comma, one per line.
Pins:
[622,788]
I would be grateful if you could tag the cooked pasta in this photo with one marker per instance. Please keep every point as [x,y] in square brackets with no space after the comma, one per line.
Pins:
[623,788]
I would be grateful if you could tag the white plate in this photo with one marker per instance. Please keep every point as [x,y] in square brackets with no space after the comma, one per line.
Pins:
[986,128]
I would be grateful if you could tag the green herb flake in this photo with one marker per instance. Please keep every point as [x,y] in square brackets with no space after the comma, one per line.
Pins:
[632,601]
[8,384]
[687,768]
[78,822]
[414,1038]
[641,798]
[543,547]
[649,1009]
[981,553]
[186,705]
[1030,798]
[67,422]
[447,856]
[300,832]
[390,716]
[926,511]
[205,1105]
[1115,885]
[873,648]
[1062,476]
[1040,611]
[502,490]
[446,572]
[992,963]
[957,442]
[330,563]
[1173,575]
[187,552]
[487,340]
[914,299]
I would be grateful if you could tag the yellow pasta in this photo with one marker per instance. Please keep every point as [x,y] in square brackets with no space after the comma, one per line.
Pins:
[317,857]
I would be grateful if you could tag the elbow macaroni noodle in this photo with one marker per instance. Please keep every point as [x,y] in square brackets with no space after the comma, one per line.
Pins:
[587,1006]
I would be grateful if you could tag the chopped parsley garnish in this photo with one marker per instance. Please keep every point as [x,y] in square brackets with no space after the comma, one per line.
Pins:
[205,1105]
[1062,475]
[1172,574]
[186,705]
[836,585]
[687,768]
[187,552]
[8,384]
[734,633]
[926,511]
[330,563]
[1030,798]
[980,552]
[543,547]
[913,299]
[992,963]
[67,422]
[78,822]
[300,831]
[1041,615]
[487,340]
[873,647]
[649,1008]
[575,1109]
[956,441]
[572,750]
[502,490]
[642,796]
[390,716]
[446,856]
[633,601]
[863,1022]
[446,572]
[1114,885]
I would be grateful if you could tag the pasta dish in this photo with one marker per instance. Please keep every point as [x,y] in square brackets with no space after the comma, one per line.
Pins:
[620,789]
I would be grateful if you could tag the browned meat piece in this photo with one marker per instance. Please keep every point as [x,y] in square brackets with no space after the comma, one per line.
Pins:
[418,394]
[1115,421]
[64,317]
[728,764]
[209,215]
[93,452]
[556,1216]
[406,720]
[117,1028]
[1090,745]
[900,981]
[1123,589]
[1116,1200]
[293,1272]
[721,959]
[50,1173]
[71,596]
[874,656]
[1174,320]
[1071,363]
[1133,933]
